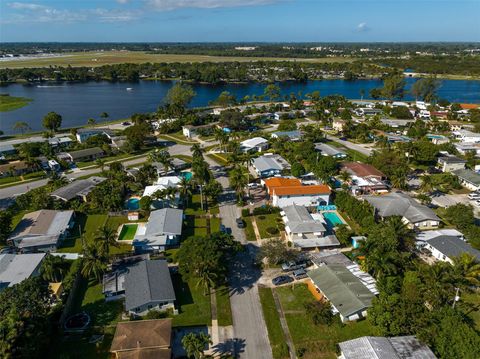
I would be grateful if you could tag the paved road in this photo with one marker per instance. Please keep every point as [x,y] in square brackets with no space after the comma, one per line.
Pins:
[353,146]
[250,332]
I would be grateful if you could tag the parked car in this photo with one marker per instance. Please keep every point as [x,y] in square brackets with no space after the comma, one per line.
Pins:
[474,195]
[300,274]
[225,229]
[126,123]
[240,223]
[253,185]
[282,279]
[292,265]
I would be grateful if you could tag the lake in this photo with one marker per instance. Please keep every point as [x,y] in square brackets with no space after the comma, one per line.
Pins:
[77,102]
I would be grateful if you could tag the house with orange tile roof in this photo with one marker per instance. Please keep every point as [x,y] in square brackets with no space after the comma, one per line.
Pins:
[307,196]
[274,182]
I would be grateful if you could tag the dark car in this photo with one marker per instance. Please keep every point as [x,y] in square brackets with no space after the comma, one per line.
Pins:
[300,274]
[240,223]
[282,279]
[126,123]
[343,138]
[225,229]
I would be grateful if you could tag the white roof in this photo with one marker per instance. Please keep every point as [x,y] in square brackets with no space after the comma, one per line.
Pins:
[253,142]
[169,181]
[15,268]
[427,235]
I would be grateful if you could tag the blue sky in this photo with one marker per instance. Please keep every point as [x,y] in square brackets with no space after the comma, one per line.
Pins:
[239,20]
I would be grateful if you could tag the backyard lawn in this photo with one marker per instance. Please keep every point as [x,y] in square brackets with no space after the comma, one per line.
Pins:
[318,341]
[265,221]
[128,232]
[274,328]
[193,306]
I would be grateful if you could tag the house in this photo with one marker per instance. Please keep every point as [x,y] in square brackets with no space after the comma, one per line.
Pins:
[190,131]
[405,347]
[88,154]
[289,135]
[148,286]
[15,168]
[365,178]
[162,184]
[445,247]
[437,139]
[177,165]
[366,111]
[396,123]
[83,134]
[41,231]
[77,189]
[464,148]
[327,150]
[338,125]
[162,231]
[7,150]
[256,144]
[14,268]
[450,163]
[274,182]
[347,294]
[143,339]
[57,142]
[270,165]
[308,196]
[467,136]
[306,231]
[468,178]
[414,214]
[393,138]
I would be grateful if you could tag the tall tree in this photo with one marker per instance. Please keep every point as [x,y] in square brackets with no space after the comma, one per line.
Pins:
[52,121]
[178,97]
[93,260]
[21,126]
[105,237]
[195,344]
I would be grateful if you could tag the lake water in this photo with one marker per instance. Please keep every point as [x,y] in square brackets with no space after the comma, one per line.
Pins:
[78,102]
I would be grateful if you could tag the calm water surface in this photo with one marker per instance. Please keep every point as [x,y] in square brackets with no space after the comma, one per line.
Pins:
[78,102]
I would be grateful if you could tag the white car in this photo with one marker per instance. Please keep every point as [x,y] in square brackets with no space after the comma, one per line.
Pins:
[474,196]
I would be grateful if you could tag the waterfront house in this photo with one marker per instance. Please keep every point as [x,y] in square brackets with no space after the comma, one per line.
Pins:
[162,231]
[77,189]
[347,294]
[148,286]
[14,268]
[84,134]
[143,339]
[414,214]
[308,195]
[405,347]
[41,231]
[88,154]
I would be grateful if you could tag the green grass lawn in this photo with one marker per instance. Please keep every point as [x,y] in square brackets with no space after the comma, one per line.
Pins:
[473,309]
[319,341]
[219,158]
[272,320]
[214,225]
[193,306]
[186,158]
[224,312]
[10,103]
[266,221]
[249,232]
[128,232]
[194,206]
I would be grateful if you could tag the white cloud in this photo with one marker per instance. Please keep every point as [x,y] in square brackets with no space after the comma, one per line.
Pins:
[123,1]
[25,6]
[168,5]
[363,27]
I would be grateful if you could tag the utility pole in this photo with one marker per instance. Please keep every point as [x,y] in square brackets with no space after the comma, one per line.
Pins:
[201,197]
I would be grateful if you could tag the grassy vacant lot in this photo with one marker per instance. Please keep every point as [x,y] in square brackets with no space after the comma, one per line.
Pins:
[10,103]
[193,306]
[249,232]
[265,221]
[319,341]
[274,328]
[93,59]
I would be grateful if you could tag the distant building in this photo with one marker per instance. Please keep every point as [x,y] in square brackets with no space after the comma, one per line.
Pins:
[148,286]
[290,135]
[270,165]
[88,154]
[450,163]
[467,136]
[327,150]
[162,231]
[7,150]
[365,178]
[14,268]
[468,178]
[256,144]
[84,134]
[57,142]
[414,214]
[41,231]
[406,347]
[15,168]
[338,125]
[77,189]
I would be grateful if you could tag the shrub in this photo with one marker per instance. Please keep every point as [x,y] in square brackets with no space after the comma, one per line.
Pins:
[245,212]
[262,217]
[320,312]
[272,230]
[267,209]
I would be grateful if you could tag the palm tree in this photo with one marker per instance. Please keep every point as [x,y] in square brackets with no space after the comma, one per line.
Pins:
[467,268]
[185,191]
[21,126]
[53,268]
[238,181]
[56,180]
[222,137]
[197,150]
[206,279]
[91,121]
[106,236]
[93,261]
[404,235]
[345,177]
[104,116]
[426,184]
[100,162]
[439,283]
[195,344]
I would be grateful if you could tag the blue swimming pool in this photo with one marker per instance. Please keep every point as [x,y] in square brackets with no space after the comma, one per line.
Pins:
[332,219]
[133,204]
[187,175]
[435,136]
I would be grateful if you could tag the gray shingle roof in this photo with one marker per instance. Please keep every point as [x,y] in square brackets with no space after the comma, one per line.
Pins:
[86,152]
[146,282]
[165,221]
[401,204]
[77,188]
[329,150]
[345,291]
[468,176]
[270,162]
[14,268]
[453,246]
[300,221]
[405,347]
